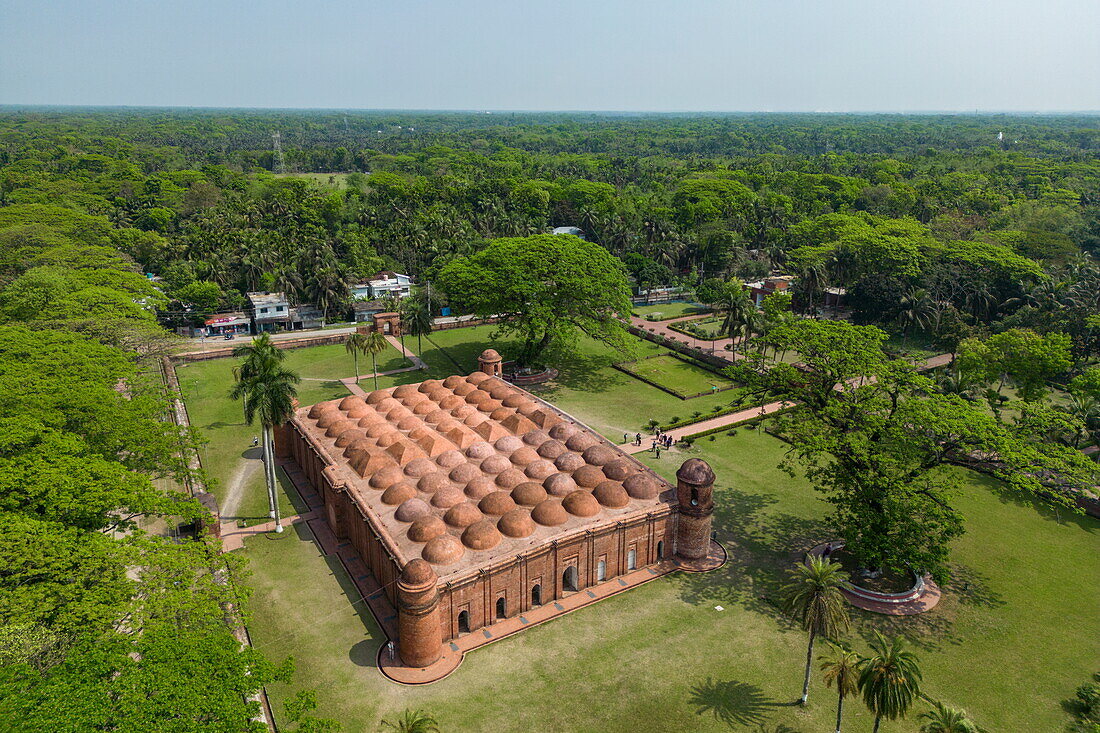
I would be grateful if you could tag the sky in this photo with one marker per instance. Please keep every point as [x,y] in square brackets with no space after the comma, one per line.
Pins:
[629,55]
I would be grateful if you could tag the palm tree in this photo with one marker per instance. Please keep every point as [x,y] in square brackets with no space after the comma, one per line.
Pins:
[841,667]
[917,309]
[268,392]
[416,319]
[412,721]
[375,345]
[356,344]
[813,597]
[889,680]
[943,719]
[738,312]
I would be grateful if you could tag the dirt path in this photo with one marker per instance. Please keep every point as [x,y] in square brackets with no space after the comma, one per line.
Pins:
[242,474]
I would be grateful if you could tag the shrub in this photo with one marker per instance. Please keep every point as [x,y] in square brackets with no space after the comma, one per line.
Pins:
[674,419]
[711,438]
[697,413]
[732,432]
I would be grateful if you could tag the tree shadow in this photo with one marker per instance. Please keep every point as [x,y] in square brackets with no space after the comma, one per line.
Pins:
[732,702]
[971,588]
[253,454]
[1051,512]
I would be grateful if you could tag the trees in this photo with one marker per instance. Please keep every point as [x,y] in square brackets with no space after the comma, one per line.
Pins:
[814,599]
[890,679]
[268,394]
[412,721]
[944,719]
[356,344]
[417,319]
[841,668]
[374,345]
[547,289]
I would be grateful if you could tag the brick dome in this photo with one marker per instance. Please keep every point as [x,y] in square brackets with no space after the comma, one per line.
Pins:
[510,478]
[481,535]
[453,381]
[524,456]
[598,455]
[496,503]
[376,397]
[563,431]
[412,509]
[516,523]
[560,484]
[619,469]
[478,377]
[540,469]
[425,528]
[448,496]
[418,467]
[433,482]
[463,389]
[397,493]
[477,397]
[489,355]
[581,504]
[417,572]
[386,477]
[581,442]
[348,437]
[404,391]
[480,449]
[443,550]
[339,428]
[480,487]
[515,400]
[588,477]
[495,464]
[529,493]
[612,495]
[549,513]
[568,462]
[320,409]
[464,473]
[696,471]
[535,437]
[641,486]
[551,449]
[462,515]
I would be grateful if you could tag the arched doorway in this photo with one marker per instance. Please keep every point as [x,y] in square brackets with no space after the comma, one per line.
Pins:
[569,579]
[464,622]
[660,550]
[601,571]
[632,560]
[502,608]
[536,595]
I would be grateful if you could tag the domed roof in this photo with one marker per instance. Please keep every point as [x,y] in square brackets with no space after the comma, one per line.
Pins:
[611,495]
[588,477]
[360,411]
[641,486]
[563,431]
[405,390]
[376,397]
[443,550]
[397,493]
[549,513]
[321,408]
[348,437]
[430,384]
[508,443]
[496,503]
[536,437]
[524,455]
[516,523]
[551,449]
[568,462]
[581,504]
[464,472]
[477,377]
[480,487]
[516,400]
[477,397]
[453,381]
[411,509]
[463,514]
[450,458]
[489,355]
[425,528]
[463,389]
[581,442]
[598,455]
[448,496]
[495,464]
[510,477]
[560,484]
[418,467]
[619,469]
[417,572]
[386,477]
[500,414]
[408,423]
[481,449]
[500,391]
[481,535]
[529,493]
[540,469]
[338,428]
[696,471]
[451,401]
[330,418]
[490,406]
[387,439]
[433,482]
[378,429]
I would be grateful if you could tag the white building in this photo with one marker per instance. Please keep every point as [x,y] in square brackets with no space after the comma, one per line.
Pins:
[381,285]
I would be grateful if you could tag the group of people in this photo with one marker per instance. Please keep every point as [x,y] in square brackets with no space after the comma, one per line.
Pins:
[660,440]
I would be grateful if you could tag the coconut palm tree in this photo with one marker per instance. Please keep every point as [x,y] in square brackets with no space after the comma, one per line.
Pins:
[917,309]
[841,667]
[412,721]
[943,719]
[814,599]
[374,345]
[889,680]
[357,344]
[416,319]
[267,389]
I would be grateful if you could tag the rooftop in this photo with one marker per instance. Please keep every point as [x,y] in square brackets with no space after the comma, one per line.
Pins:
[467,471]
[260,299]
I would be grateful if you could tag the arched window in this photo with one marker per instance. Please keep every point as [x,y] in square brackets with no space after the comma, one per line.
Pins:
[502,608]
[569,579]
[695,497]
[601,570]
[660,550]
[632,559]
[536,595]
[464,622]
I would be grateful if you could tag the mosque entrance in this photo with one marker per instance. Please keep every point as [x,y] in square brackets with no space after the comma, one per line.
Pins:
[501,608]
[536,595]
[463,622]
[569,579]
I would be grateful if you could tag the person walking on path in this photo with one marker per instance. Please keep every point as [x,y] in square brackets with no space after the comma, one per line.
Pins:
[637,439]
[626,438]
[658,449]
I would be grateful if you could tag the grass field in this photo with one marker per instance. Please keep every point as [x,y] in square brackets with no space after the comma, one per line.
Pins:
[711,328]
[665,311]
[678,375]
[1013,637]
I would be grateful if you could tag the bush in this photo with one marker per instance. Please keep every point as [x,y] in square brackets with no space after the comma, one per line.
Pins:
[732,432]
[674,419]
[697,413]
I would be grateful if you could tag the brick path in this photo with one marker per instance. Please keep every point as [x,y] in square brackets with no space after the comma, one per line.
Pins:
[661,328]
[715,422]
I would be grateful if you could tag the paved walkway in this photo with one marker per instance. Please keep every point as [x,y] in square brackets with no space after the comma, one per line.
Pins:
[715,422]
[718,347]
[233,537]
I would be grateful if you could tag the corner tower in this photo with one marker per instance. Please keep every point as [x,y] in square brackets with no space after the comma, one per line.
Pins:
[694,494]
[490,363]
[419,635]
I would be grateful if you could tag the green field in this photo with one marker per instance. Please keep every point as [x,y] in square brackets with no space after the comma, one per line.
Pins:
[1013,637]
[665,311]
[678,375]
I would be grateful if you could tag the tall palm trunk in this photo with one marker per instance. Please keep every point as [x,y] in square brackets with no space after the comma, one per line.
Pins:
[809,666]
[878,720]
[374,366]
[272,494]
[839,711]
[355,361]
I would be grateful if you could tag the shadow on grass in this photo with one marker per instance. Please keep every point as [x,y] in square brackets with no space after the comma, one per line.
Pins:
[1050,512]
[732,702]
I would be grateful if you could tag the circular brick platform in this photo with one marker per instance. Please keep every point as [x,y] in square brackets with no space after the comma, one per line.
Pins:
[923,596]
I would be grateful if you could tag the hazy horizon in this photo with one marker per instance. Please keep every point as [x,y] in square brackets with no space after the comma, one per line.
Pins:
[613,56]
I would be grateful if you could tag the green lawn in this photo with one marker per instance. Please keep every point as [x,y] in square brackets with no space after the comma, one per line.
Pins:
[1013,637]
[677,374]
[711,328]
[665,311]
